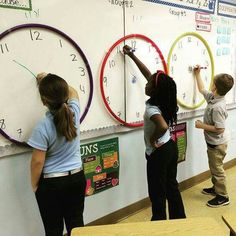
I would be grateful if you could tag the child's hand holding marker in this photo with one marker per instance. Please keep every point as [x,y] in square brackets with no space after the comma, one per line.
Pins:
[40,76]
[128,50]
[200,67]
[196,67]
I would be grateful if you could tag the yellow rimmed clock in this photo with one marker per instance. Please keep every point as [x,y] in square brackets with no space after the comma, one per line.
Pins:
[188,50]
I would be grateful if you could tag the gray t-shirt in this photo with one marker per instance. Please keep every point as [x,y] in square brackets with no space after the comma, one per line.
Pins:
[149,128]
[215,114]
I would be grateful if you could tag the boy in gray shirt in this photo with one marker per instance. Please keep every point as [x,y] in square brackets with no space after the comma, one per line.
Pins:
[214,126]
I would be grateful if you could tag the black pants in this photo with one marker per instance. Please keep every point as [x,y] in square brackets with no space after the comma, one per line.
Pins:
[162,183]
[61,199]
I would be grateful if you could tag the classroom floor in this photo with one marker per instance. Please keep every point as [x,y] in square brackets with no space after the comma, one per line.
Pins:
[195,202]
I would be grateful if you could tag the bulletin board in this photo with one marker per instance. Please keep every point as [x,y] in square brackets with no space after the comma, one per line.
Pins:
[82,42]
[101,165]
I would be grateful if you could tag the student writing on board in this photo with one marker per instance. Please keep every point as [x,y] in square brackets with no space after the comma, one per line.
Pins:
[215,136]
[56,168]
[161,151]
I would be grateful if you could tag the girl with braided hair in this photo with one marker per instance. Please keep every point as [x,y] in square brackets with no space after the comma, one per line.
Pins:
[161,151]
[57,176]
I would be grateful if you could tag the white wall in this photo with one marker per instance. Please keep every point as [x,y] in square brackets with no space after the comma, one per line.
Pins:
[18,208]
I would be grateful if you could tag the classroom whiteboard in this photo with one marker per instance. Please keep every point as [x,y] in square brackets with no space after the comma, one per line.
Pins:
[82,42]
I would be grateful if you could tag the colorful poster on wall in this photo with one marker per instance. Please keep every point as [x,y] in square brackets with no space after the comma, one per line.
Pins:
[101,165]
[179,135]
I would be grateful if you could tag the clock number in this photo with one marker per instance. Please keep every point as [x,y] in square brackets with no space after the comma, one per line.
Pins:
[174,57]
[118,49]
[197,43]
[82,89]
[19,131]
[184,96]
[2,124]
[134,79]
[35,35]
[119,113]
[180,45]
[108,100]
[112,63]
[82,71]
[105,81]
[150,48]
[60,43]
[204,51]
[137,114]
[133,44]
[157,60]
[189,39]
[73,57]
[4,48]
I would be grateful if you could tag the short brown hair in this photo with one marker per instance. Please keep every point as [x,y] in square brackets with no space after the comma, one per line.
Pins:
[223,83]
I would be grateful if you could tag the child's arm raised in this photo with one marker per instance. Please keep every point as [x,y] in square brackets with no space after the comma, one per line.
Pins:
[40,76]
[73,93]
[144,70]
[198,77]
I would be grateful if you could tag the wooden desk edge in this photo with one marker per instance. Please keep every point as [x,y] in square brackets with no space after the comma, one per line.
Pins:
[224,217]
[89,230]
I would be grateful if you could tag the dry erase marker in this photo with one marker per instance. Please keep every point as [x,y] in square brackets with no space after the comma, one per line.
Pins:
[130,50]
[190,68]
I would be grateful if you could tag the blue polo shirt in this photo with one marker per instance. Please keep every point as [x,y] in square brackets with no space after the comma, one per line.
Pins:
[61,155]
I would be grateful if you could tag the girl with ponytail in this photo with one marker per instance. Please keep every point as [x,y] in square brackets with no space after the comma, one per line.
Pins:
[161,151]
[57,176]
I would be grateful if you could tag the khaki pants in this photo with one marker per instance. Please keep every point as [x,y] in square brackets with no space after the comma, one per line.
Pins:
[216,156]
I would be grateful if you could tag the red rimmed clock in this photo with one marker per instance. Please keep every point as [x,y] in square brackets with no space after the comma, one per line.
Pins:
[122,84]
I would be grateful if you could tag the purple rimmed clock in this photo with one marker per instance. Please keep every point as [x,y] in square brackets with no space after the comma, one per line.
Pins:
[25,51]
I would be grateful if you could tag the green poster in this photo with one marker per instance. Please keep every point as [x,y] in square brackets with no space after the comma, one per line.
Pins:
[179,135]
[101,165]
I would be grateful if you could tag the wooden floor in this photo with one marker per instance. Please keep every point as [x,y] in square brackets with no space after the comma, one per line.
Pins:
[195,203]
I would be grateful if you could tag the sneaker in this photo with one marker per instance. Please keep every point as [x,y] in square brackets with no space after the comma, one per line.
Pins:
[209,191]
[218,201]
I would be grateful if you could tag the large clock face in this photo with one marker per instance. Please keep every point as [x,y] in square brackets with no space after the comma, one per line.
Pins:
[25,51]
[189,50]
[122,84]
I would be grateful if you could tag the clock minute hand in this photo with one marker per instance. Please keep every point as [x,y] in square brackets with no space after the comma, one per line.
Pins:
[25,68]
